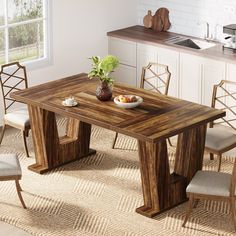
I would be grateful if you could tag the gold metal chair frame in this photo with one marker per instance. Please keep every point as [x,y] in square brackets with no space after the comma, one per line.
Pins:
[195,197]
[221,99]
[8,101]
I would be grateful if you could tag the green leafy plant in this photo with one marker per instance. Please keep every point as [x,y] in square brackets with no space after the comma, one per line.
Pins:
[102,68]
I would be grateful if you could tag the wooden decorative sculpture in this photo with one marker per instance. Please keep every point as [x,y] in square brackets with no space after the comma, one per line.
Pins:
[159,22]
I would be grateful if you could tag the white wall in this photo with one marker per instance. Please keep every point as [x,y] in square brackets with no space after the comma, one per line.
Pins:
[79,30]
[186,15]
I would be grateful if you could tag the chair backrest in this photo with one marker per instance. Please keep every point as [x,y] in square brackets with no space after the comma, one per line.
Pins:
[156,77]
[13,77]
[224,98]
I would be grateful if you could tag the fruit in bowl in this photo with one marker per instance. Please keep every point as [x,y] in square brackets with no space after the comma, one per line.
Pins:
[127,98]
[128,101]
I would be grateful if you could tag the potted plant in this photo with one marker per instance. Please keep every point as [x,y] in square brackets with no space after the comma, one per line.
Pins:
[101,69]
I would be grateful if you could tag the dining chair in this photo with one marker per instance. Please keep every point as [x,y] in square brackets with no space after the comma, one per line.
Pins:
[154,77]
[13,77]
[10,170]
[212,185]
[221,134]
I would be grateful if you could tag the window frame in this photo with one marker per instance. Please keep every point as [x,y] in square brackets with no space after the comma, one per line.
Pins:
[39,62]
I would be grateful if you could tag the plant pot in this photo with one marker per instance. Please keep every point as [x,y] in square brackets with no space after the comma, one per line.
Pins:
[104,91]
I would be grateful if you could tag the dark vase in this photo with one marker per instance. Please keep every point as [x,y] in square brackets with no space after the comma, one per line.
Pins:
[104,91]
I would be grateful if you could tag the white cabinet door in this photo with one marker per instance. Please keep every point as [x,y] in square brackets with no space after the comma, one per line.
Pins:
[145,55]
[190,77]
[213,72]
[148,53]
[125,74]
[171,59]
[125,50]
[231,72]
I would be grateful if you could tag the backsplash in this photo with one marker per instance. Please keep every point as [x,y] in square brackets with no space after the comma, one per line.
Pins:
[190,17]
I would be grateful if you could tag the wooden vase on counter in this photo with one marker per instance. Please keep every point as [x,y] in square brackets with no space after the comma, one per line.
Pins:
[148,20]
[159,22]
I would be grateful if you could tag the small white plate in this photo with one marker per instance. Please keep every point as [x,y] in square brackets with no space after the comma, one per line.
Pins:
[72,105]
[128,104]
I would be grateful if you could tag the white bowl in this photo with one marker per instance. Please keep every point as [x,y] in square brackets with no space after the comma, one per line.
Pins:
[128,104]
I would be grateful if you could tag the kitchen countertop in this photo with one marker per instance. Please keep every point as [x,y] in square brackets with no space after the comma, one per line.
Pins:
[141,34]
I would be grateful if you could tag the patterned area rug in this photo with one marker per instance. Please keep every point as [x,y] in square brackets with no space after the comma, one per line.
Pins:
[98,195]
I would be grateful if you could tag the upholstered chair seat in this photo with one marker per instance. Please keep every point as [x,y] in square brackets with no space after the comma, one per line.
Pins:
[218,139]
[10,170]
[9,165]
[210,183]
[19,116]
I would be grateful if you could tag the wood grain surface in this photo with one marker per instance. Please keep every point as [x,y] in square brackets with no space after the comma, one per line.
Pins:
[156,119]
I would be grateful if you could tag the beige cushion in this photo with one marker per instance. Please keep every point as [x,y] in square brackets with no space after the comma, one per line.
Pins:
[19,117]
[218,139]
[9,165]
[210,183]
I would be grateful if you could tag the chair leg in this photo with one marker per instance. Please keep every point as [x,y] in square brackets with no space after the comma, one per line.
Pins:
[189,210]
[170,142]
[232,206]
[18,189]
[25,143]
[195,203]
[114,142]
[2,133]
[211,156]
[27,133]
[219,162]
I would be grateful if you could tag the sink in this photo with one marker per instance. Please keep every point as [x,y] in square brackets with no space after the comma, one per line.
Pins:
[190,43]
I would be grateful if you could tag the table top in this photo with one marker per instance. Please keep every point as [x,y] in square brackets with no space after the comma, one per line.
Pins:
[158,117]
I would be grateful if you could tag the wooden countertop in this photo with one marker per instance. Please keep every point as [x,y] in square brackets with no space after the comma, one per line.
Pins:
[141,34]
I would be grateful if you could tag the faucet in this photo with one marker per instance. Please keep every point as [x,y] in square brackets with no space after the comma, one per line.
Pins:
[207,36]
[208,31]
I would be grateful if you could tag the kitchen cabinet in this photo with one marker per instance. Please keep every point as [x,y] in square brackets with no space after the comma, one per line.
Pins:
[197,77]
[190,77]
[126,51]
[213,71]
[171,59]
[145,54]
[125,74]
[148,53]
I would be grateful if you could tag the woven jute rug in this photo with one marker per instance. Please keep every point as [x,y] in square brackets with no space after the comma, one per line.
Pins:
[98,195]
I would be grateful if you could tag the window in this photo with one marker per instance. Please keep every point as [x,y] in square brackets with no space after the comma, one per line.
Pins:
[23,30]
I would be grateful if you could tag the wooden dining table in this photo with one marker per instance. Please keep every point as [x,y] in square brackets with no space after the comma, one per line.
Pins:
[151,123]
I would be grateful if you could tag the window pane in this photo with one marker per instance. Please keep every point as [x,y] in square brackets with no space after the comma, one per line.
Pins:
[2,6]
[26,42]
[2,47]
[21,10]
